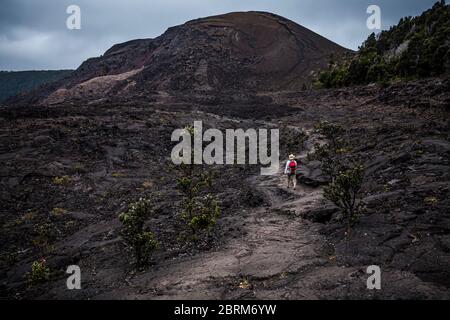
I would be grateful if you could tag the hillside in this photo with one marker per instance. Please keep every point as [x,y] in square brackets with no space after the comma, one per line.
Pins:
[418,47]
[13,83]
[245,51]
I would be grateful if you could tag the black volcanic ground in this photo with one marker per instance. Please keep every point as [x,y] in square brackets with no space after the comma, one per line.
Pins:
[287,244]
[270,242]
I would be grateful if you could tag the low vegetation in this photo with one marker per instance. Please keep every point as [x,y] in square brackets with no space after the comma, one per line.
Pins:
[39,273]
[415,48]
[199,209]
[346,174]
[141,243]
[344,192]
[293,139]
[327,153]
[61,181]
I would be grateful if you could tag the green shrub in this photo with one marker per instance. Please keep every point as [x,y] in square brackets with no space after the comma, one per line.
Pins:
[333,132]
[61,181]
[141,243]
[292,139]
[328,153]
[345,182]
[39,272]
[44,234]
[344,192]
[199,209]
[207,211]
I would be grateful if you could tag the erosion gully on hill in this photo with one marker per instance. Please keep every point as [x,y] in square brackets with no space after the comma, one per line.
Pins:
[270,242]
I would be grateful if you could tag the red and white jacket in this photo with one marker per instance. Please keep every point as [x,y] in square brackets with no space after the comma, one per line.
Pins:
[287,170]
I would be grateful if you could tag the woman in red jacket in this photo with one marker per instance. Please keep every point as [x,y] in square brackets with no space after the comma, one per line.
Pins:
[291,171]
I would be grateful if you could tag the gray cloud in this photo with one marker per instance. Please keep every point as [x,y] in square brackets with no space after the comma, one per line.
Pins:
[33,34]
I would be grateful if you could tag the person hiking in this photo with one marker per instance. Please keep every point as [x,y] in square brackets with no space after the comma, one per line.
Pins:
[291,171]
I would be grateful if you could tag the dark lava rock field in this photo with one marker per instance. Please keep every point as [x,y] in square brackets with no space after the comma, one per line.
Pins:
[68,170]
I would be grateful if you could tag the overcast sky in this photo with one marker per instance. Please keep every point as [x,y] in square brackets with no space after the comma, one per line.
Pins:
[33,34]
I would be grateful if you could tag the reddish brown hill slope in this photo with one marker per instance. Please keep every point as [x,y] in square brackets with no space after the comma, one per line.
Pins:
[242,50]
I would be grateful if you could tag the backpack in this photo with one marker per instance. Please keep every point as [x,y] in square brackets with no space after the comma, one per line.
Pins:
[292,167]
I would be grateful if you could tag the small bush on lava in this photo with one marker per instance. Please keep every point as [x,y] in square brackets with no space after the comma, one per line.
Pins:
[141,243]
[344,192]
[39,272]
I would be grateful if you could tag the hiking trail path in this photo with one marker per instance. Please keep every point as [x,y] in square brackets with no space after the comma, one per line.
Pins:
[277,243]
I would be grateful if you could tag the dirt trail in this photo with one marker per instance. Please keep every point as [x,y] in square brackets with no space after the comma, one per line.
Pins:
[276,243]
